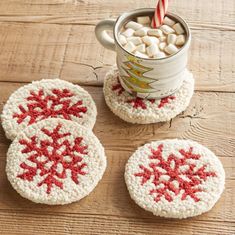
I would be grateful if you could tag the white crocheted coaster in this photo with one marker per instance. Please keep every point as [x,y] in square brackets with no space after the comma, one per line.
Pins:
[55,162]
[45,99]
[143,111]
[174,178]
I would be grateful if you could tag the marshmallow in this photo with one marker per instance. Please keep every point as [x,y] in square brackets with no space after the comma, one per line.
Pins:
[159,55]
[162,39]
[171,49]
[141,48]
[130,47]
[162,45]
[178,28]
[171,38]
[136,40]
[143,20]
[128,33]
[141,32]
[155,32]
[167,29]
[122,39]
[152,50]
[139,54]
[150,40]
[168,21]
[180,40]
[133,25]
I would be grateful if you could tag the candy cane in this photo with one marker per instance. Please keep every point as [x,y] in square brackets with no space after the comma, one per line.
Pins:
[159,13]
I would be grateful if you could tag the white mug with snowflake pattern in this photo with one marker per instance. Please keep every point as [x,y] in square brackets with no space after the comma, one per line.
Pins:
[145,78]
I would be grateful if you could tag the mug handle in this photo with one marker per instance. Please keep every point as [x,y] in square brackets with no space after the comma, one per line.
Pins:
[102,36]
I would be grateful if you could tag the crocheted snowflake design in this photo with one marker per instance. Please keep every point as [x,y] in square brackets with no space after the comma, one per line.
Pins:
[174,175]
[41,106]
[51,159]
[140,102]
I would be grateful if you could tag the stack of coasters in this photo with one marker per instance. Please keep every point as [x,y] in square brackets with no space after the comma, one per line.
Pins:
[175,178]
[54,158]
[143,110]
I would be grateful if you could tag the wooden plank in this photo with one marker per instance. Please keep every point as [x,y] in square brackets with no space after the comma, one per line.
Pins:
[204,121]
[42,223]
[31,52]
[214,12]
[35,51]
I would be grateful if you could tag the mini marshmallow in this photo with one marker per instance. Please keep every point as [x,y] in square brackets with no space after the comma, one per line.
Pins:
[128,32]
[171,38]
[159,55]
[180,40]
[171,49]
[139,54]
[155,32]
[162,39]
[141,48]
[143,20]
[167,29]
[162,45]
[150,40]
[178,28]
[136,40]
[130,47]
[122,39]
[133,25]
[141,32]
[152,50]
[168,21]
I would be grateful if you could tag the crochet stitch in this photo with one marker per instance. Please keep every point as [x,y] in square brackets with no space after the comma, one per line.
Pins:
[55,161]
[174,178]
[143,111]
[47,98]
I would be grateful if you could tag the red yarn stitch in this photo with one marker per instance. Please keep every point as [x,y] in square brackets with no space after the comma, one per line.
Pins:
[41,155]
[41,106]
[165,101]
[137,102]
[118,87]
[190,187]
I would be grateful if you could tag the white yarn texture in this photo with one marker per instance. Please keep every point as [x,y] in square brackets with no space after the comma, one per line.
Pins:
[119,101]
[206,193]
[21,98]
[19,155]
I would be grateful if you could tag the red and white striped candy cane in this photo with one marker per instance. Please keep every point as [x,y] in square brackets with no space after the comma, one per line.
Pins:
[159,13]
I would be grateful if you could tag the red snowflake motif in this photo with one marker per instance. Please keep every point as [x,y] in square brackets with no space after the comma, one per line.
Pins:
[42,106]
[118,87]
[137,103]
[165,101]
[171,172]
[52,158]
[141,103]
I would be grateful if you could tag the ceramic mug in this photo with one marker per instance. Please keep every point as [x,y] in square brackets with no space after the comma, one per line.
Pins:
[145,78]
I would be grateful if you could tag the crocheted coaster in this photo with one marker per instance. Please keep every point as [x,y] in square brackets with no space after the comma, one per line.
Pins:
[55,161]
[143,111]
[175,178]
[45,99]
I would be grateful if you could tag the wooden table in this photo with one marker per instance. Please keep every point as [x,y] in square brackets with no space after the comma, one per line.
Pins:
[55,38]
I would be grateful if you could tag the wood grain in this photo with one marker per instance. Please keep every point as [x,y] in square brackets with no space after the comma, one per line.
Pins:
[49,39]
[72,53]
[34,223]
[59,47]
